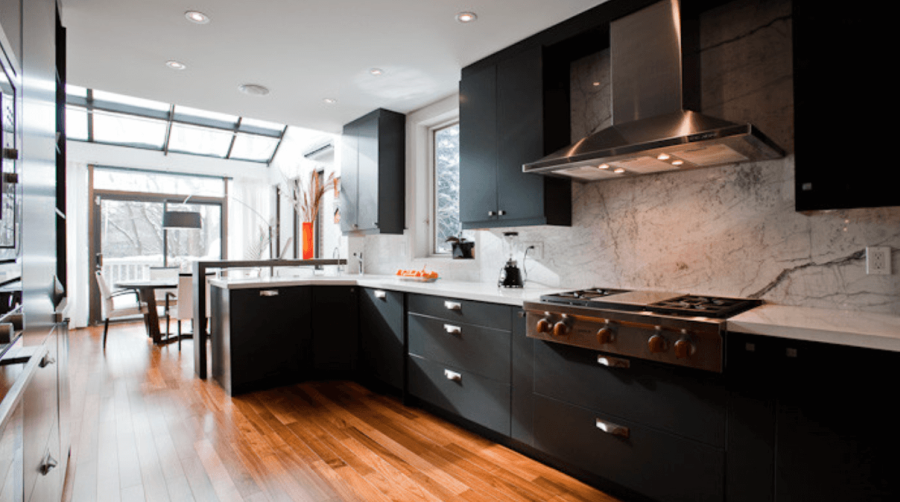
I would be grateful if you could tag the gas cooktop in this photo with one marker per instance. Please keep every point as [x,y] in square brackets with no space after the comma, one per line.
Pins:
[658,302]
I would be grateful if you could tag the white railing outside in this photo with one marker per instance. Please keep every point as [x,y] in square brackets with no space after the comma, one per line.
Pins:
[132,268]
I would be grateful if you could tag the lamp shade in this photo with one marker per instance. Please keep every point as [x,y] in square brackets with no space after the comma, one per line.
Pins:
[181,219]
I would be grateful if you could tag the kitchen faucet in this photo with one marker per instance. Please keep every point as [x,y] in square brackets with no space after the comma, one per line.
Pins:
[359,257]
[337,254]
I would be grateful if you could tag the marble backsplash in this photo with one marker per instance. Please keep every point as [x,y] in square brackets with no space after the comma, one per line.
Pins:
[729,231]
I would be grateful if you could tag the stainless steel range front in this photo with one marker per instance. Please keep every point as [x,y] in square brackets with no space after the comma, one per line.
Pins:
[670,328]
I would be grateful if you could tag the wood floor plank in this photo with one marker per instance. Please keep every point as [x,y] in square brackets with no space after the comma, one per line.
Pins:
[145,428]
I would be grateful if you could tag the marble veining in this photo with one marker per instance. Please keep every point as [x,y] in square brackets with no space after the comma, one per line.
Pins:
[730,230]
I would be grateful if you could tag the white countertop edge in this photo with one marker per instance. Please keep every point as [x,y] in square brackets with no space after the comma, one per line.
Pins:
[451,289]
[842,327]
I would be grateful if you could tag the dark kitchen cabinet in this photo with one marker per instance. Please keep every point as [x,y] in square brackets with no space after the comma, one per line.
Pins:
[335,331]
[522,380]
[372,186]
[811,421]
[381,339]
[839,100]
[502,126]
[260,337]
[459,358]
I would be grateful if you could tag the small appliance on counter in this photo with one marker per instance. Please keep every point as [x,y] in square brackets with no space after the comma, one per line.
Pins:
[510,275]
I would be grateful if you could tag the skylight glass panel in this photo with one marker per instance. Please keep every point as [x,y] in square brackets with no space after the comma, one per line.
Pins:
[253,148]
[261,127]
[199,140]
[118,99]
[194,115]
[129,130]
[76,123]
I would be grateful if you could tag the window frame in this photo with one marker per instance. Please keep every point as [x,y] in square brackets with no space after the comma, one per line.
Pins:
[432,185]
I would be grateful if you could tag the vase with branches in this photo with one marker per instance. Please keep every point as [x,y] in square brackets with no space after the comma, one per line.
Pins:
[306,196]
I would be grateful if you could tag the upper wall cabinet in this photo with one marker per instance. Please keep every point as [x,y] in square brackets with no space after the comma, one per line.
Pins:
[372,173]
[502,126]
[842,154]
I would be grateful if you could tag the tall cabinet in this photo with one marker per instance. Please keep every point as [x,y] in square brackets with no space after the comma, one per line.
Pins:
[372,187]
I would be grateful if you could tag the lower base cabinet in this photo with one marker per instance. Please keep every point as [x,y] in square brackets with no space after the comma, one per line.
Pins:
[335,331]
[381,339]
[260,337]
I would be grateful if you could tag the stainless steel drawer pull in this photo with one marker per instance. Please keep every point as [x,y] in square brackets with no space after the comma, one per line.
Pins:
[453,330]
[381,295]
[611,428]
[268,292]
[613,362]
[453,376]
[453,305]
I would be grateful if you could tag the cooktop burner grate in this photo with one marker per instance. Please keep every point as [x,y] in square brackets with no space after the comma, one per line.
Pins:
[707,306]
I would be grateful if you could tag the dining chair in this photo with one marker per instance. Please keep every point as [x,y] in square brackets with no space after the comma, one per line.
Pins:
[183,309]
[116,305]
[164,297]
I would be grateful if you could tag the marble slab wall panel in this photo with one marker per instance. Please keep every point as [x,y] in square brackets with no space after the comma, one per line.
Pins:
[730,230]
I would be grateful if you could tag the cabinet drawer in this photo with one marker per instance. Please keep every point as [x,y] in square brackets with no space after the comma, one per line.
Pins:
[682,401]
[454,310]
[468,395]
[472,348]
[659,465]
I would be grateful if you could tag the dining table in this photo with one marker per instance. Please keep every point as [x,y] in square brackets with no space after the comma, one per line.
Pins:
[146,289]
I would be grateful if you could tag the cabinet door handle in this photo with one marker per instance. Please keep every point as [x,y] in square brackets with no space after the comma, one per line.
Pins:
[453,376]
[47,464]
[613,362]
[453,330]
[492,213]
[46,361]
[452,305]
[268,292]
[613,429]
[381,295]
[501,213]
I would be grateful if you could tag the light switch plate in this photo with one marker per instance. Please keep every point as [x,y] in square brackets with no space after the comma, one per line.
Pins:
[878,260]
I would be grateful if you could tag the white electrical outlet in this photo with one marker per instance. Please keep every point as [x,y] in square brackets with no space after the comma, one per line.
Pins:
[878,260]
[536,250]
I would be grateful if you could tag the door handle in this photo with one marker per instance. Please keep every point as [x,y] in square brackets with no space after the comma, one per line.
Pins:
[613,362]
[452,305]
[453,376]
[47,464]
[501,213]
[613,429]
[268,292]
[381,295]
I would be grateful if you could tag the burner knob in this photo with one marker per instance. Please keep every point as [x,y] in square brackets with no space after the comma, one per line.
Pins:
[561,328]
[684,348]
[657,344]
[604,335]
[543,326]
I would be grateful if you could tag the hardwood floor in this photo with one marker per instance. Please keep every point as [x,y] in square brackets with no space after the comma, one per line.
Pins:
[144,428]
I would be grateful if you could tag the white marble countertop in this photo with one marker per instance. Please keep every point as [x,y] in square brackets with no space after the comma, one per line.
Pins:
[859,329]
[476,291]
[842,327]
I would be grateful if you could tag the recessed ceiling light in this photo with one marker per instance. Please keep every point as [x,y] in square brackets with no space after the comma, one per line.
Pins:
[466,17]
[376,71]
[330,101]
[196,17]
[253,89]
[175,65]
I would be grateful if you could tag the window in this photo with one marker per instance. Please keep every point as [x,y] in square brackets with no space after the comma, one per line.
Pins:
[445,141]
[103,117]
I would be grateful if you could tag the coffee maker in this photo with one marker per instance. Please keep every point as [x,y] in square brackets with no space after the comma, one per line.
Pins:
[510,275]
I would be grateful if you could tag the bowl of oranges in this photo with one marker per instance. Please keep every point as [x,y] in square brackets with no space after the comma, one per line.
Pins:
[417,275]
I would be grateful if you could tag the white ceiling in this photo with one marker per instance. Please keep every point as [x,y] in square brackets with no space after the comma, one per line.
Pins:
[303,51]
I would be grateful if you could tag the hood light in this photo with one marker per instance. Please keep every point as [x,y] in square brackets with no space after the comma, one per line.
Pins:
[603,166]
[619,170]
[677,162]
[663,156]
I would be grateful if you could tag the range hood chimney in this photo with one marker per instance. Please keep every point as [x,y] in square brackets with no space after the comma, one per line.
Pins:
[651,131]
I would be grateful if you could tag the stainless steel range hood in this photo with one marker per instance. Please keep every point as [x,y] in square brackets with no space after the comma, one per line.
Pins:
[651,130]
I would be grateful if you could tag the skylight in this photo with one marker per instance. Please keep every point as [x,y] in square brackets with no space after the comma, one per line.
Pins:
[103,117]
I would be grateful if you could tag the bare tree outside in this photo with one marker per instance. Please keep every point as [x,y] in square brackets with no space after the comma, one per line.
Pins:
[446,187]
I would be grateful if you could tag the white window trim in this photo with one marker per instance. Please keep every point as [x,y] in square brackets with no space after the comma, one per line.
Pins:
[419,176]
